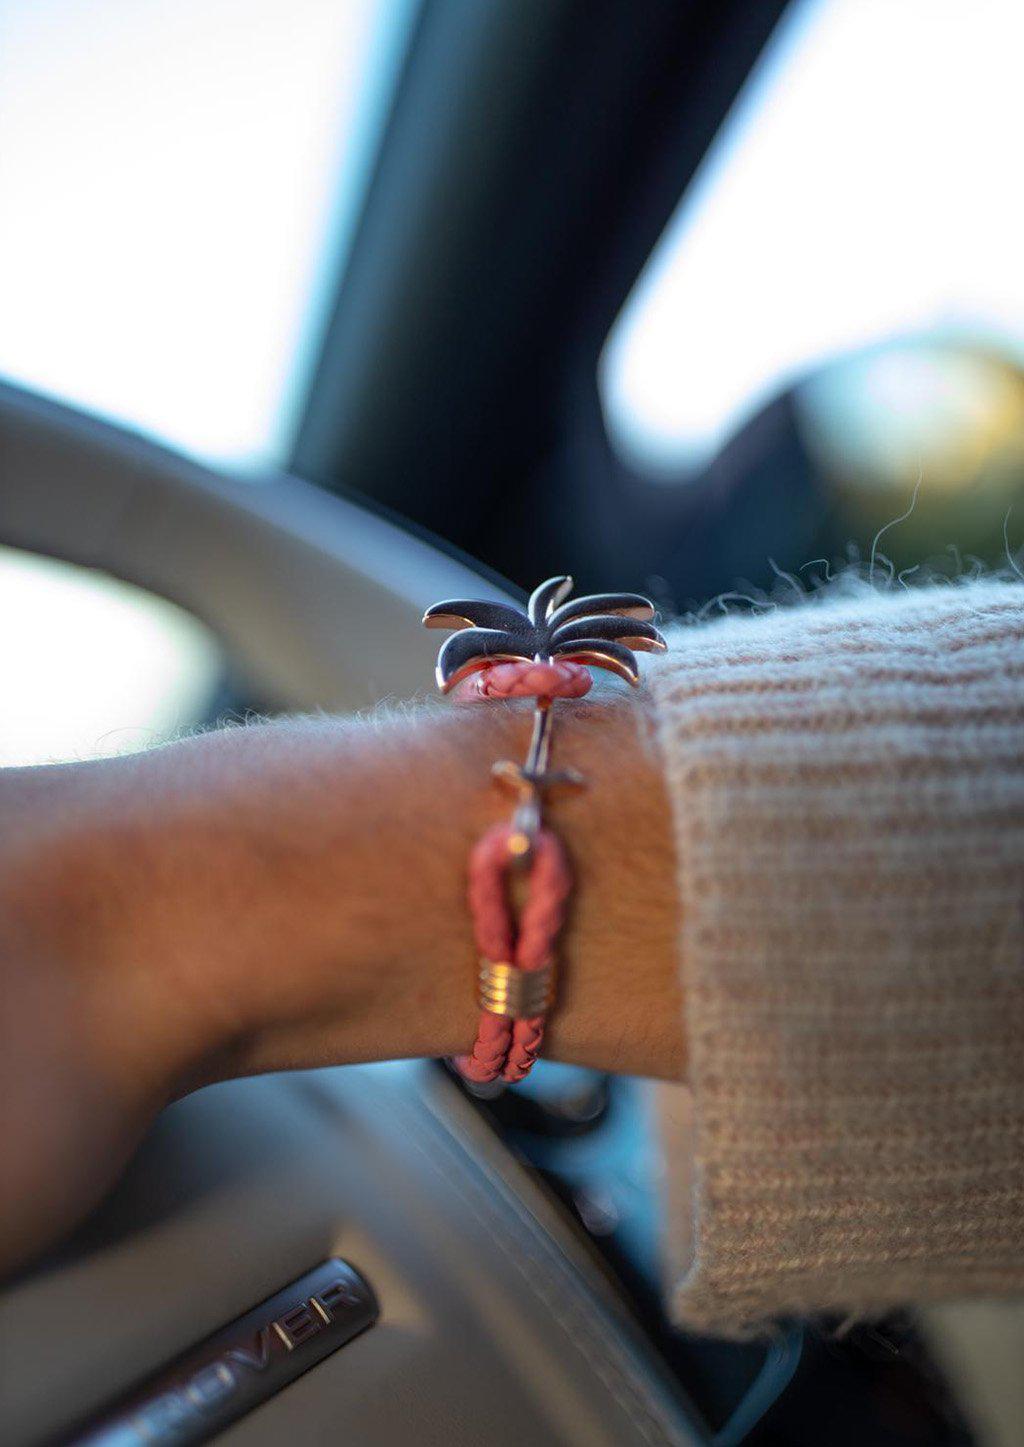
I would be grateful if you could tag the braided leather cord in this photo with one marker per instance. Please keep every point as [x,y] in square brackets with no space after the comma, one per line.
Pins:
[506,1047]
[503,1046]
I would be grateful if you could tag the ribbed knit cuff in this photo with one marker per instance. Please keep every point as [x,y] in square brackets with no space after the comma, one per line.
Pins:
[847,783]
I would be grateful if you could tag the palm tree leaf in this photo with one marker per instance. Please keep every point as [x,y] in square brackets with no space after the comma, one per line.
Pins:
[630,631]
[475,648]
[548,596]
[600,653]
[628,605]
[475,613]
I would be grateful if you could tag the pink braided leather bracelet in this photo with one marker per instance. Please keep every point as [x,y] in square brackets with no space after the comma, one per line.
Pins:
[501,652]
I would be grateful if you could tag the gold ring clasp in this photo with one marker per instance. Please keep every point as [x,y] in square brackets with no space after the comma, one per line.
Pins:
[505,989]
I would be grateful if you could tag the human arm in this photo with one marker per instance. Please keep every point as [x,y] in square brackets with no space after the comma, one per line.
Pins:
[825,835]
[292,894]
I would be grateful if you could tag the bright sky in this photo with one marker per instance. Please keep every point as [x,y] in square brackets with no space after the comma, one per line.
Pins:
[866,184]
[178,179]
[178,182]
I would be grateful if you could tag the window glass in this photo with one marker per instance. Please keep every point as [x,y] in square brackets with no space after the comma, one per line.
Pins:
[178,183]
[91,666]
[864,188]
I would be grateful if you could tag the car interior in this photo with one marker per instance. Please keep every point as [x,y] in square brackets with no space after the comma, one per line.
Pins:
[465,422]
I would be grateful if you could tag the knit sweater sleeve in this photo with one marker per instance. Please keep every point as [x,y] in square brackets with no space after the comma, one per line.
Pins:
[847,786]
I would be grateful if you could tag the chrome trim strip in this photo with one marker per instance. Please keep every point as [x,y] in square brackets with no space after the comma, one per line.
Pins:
[213,1384]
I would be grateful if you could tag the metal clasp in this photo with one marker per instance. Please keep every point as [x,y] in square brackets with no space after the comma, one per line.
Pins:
[530,782]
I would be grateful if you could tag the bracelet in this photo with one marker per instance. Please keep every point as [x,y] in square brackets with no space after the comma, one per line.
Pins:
[500,652]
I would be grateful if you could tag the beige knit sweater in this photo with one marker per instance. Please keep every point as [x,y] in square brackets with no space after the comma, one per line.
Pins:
[847,783]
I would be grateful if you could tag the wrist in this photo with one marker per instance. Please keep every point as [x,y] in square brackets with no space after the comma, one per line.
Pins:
[352,846]
[294,894]
[346,860]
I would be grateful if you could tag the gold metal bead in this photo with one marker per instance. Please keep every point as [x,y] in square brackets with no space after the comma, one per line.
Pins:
[505,989]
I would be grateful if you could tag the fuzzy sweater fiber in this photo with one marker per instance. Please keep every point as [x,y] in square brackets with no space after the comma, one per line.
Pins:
[847,785]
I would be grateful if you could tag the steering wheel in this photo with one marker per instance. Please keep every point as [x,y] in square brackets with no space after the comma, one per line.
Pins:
[477,1311]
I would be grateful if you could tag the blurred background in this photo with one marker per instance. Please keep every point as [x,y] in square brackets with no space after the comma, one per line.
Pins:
[708,298]
[675,296]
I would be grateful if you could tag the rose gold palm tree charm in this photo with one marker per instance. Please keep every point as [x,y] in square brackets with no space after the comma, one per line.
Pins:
[601,630]
[544,654]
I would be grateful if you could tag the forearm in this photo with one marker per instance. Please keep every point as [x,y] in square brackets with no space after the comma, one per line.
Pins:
[293,894]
